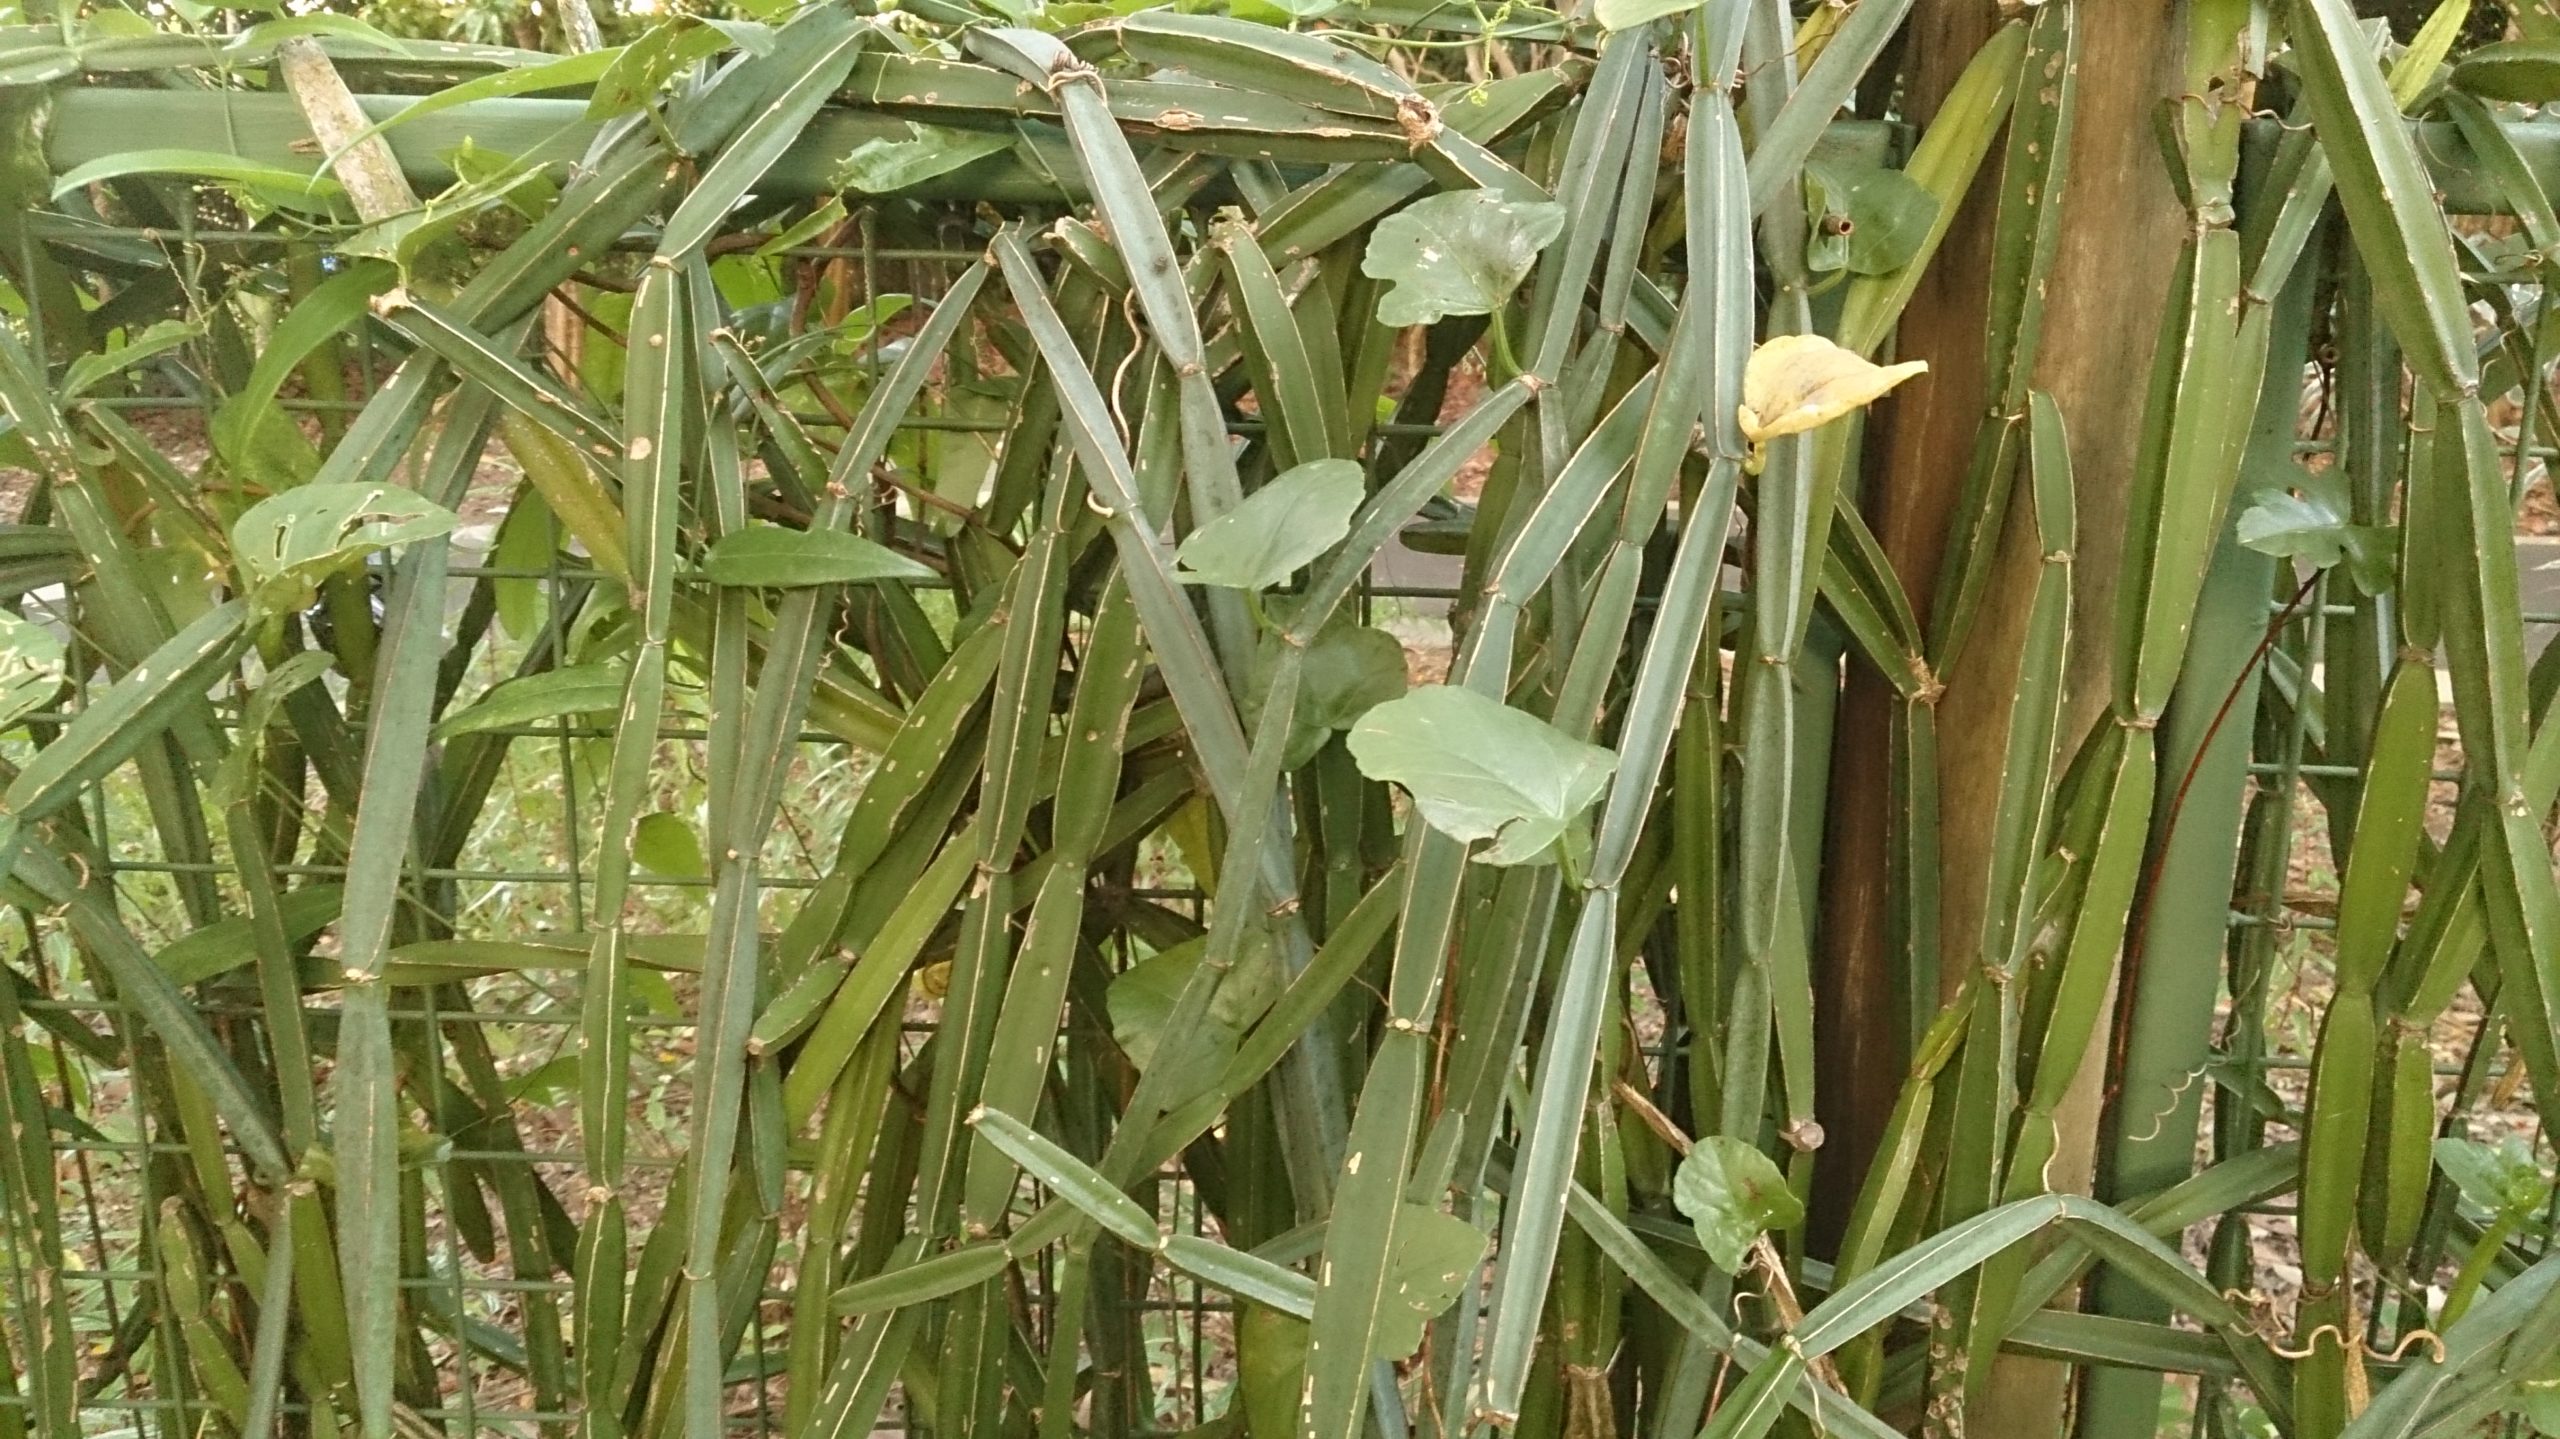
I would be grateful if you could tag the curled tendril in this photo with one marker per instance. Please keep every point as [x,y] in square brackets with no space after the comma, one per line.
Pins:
[2311,1343]
[2428,1337]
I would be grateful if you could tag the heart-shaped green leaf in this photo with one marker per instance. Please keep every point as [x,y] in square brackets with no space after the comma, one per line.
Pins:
[1866,219]
[1733,1194]
[1435,1255]
[1141,998]
[770,557]
[665,845]
[2311,522]
[1349,670]
[1304,511]
[486,185]
[1458,253]
[287,544]
[1478,769]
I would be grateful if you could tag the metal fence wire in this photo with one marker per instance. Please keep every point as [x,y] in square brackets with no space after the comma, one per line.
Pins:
[504,1044]
[526,864]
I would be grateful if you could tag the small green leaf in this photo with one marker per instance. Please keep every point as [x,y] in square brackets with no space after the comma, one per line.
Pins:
[1478,769]
[2500,1178]
[1733,1194]
[770,557]
[1141,997]
[2310,523]
[31,667]
[287,544]
[665,846]
[227,944]
[548,1083]
[1271,1364]
[805,231]
[1628,14]
[84,373]
[402,238]
[639,71]
[552,694]
[257,439]
[1278,529]
[1435,1255]
[1349,669]
[2246,1084]
[238,777]
[1868,220]
[525,542]
[2539,1401]
[881,167]
[1457,253]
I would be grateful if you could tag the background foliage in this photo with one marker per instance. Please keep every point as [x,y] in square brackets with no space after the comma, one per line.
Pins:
[720,721]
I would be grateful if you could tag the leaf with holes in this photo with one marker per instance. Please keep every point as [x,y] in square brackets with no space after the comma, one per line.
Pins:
[1480,770]
[882,167]
[1733,1194]
[287,544]
[1277,530]
[1459,253]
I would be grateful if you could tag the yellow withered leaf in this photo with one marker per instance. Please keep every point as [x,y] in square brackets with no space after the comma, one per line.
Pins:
[1797,382]
[933,981]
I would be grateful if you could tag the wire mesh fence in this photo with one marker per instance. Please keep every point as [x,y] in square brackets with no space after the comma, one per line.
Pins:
[485,1247]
